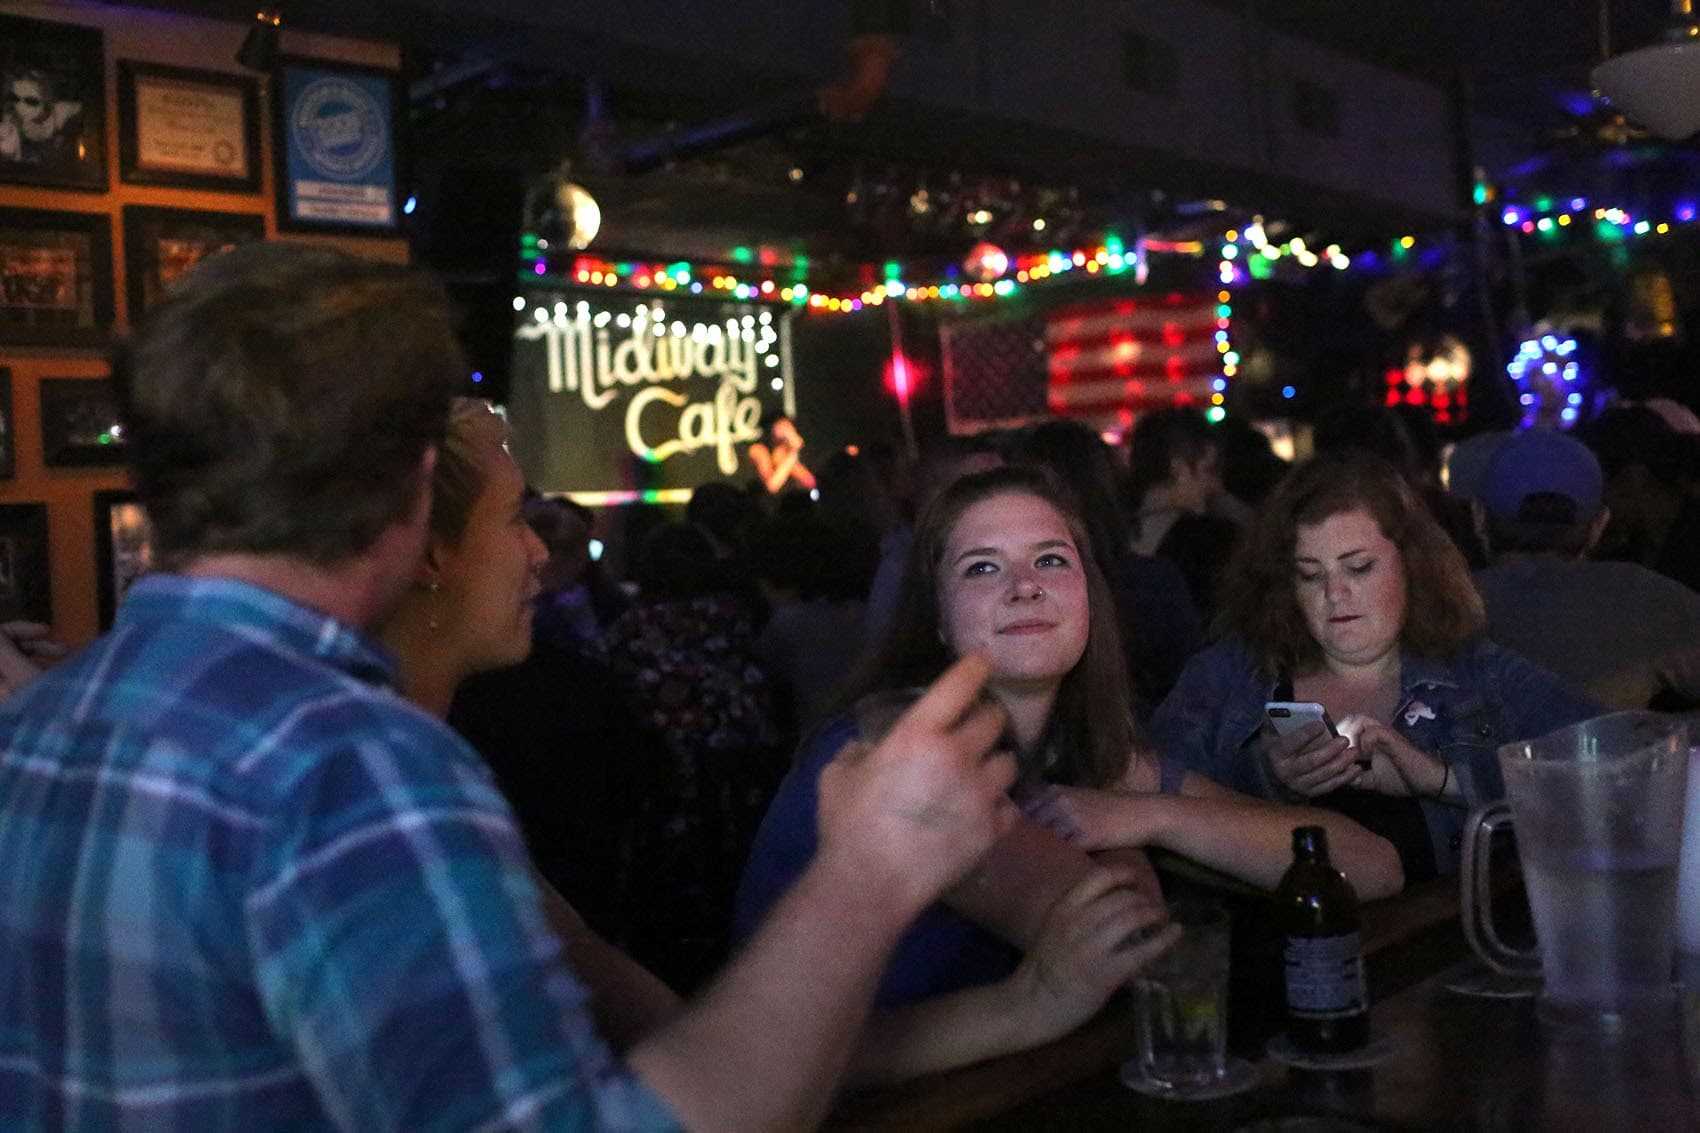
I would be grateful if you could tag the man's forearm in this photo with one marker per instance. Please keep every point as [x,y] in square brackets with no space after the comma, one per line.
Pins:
[785,1014]
[942,1033]
[629,1000]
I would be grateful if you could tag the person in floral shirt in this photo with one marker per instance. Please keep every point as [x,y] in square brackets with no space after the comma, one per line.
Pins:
[685,660]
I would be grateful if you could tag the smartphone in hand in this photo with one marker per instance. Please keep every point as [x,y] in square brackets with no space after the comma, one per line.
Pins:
[1288,716]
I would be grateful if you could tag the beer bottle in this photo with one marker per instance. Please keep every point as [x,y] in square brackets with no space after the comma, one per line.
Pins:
[1327,1000]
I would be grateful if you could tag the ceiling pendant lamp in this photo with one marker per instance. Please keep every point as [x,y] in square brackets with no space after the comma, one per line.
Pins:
[1659,86]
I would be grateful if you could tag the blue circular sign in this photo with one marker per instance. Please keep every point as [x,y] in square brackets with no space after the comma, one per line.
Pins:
[339,129]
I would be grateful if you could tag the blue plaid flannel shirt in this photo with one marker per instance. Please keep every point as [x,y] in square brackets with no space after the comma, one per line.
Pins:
[243,885]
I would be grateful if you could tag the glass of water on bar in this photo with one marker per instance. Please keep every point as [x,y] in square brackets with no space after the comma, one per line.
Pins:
[1181,1013]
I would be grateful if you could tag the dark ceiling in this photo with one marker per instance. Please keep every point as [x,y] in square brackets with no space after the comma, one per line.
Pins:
[1525,61]
[511,92]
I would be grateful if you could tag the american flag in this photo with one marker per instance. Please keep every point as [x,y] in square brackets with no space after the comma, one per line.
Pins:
[1102,362]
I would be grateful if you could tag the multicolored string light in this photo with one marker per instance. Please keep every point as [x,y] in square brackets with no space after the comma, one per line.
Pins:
[788,283]
[1243,255]
[1551,218]
[1549,381]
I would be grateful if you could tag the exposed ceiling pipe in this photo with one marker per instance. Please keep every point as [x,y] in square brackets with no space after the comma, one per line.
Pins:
[443,79]
[871,51]
[754,122]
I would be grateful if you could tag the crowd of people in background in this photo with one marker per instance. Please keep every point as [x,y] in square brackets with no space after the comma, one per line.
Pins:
[802,588]
[665,775]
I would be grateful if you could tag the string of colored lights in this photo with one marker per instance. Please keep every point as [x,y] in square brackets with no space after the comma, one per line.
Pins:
[1242,255]
[789,283]
[1547,217]
[1548,380]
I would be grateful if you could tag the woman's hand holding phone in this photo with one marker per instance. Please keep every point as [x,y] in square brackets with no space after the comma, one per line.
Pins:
[1310,761]
[1395,766]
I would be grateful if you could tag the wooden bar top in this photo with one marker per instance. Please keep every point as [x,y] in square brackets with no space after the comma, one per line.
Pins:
[1407,939]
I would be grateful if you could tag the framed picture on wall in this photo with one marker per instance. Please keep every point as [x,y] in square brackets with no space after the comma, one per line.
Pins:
[8,428]
[55,277]
[161,244]
[188,129]
[337,154]
[123,548]
[79,423]
[26,586]
[53,121]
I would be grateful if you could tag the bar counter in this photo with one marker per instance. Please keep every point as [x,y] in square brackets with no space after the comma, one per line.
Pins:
[1456,1062]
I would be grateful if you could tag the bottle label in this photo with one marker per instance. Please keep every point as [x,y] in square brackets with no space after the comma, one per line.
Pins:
[1325,977]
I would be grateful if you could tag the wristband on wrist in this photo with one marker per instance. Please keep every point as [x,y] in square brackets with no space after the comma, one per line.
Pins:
[1445,778]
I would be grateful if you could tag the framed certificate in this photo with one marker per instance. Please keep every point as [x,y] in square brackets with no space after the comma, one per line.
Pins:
[188,129]
[337,157]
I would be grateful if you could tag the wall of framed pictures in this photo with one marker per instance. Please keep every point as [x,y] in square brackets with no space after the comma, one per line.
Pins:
[132,145]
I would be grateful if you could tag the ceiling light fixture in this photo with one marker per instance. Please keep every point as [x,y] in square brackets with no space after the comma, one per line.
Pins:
[1659,86]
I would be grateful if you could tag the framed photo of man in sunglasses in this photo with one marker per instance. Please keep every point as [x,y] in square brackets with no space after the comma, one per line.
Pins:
[52,105]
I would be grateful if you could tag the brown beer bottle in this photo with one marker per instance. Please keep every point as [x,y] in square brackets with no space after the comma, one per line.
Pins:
[1327,1000]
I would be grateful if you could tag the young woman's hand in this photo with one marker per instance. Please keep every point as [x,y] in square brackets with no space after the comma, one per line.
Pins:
[1309,761]
[1396,767]
[1094,940]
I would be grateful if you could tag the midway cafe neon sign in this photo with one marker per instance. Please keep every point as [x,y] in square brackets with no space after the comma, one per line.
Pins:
[684,377]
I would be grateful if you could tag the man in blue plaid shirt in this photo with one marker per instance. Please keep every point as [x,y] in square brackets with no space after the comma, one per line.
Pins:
[244,885]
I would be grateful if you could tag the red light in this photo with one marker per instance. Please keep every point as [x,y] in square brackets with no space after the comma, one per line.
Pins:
[904,375]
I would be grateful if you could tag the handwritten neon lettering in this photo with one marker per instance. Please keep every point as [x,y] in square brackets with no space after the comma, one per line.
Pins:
[598,362]
[720,424]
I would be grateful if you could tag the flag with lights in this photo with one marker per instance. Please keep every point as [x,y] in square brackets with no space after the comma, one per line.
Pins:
[1103,362]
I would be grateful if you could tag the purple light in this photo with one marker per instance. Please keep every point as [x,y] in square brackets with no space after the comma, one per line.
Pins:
[1511,216]
[541,268]
[1577,204]
[1685,212]
[855,304]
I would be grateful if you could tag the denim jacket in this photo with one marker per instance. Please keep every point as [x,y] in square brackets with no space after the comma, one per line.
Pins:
[1459,708]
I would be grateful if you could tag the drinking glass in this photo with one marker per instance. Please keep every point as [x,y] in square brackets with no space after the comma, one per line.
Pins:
[1181,1013]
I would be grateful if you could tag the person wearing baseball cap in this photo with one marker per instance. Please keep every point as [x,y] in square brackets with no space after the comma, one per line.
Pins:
[1624,634]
